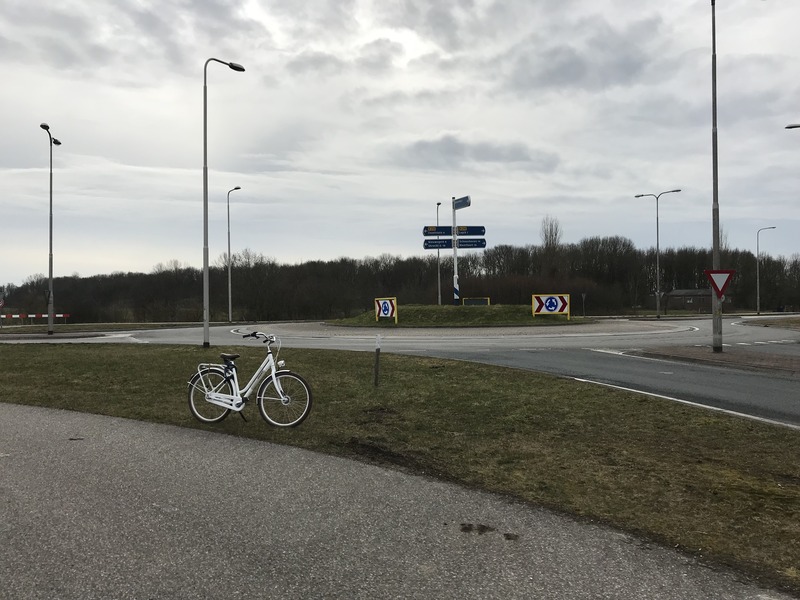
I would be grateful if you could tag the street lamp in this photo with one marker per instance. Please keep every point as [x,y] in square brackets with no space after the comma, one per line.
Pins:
[230,303]
[658,252]
[50,309]
[716,303]
[758,261]
[438,262]
[206,310]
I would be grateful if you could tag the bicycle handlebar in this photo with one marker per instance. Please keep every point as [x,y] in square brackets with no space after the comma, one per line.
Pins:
[268,338]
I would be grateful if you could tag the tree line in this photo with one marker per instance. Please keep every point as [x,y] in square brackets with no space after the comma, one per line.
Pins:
[615,276]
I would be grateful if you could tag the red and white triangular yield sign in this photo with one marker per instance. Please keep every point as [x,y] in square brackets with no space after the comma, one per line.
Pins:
[720,279]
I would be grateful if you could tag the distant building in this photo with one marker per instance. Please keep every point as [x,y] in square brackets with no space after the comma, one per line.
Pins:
[692,300]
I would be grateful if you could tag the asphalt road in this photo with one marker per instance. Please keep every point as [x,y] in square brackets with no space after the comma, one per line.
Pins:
[98,507]
[770,396]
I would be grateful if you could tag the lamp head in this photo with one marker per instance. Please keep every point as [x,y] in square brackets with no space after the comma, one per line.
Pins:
[671,191]
[793,126]
[236,66]
[56,142]
[438,204]
[640,195]
[45,126]
[236,188]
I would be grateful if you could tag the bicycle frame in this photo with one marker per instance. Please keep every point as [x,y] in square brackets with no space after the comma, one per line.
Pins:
[236,401]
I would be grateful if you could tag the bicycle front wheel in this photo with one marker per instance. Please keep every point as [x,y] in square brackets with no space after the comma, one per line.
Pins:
[290,409]
[208,380]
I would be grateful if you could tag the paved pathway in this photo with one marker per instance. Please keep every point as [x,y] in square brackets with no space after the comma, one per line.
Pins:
[99,507]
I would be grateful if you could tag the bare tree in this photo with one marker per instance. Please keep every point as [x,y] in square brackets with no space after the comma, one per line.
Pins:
[550,232]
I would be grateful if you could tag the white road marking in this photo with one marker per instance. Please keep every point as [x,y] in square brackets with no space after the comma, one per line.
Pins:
[690,403]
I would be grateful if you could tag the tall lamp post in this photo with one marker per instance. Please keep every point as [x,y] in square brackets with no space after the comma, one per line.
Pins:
[438,261]
[658,251]
[230,301]
[206,310]
[716,303]
[50,303]
[758,262]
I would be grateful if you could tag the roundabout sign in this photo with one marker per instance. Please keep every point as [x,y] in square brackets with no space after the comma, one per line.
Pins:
[550,304]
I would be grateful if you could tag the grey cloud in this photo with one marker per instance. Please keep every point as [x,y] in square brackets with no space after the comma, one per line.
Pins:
[449,152]
[379,55]
[315,19]
[442,23]
[375,57]
[442,64]
[597,57]
[398,98]
[124,36]
[317,63]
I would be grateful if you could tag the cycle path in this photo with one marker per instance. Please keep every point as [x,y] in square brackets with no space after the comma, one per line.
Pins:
[102,507]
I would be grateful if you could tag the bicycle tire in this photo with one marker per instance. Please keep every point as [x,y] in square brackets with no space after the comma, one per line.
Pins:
[201,409]
[289,411]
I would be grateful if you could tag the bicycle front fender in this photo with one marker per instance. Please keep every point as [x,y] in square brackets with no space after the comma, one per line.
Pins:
[262,386]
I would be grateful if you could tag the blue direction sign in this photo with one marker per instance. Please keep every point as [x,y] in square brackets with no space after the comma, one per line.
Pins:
[436,230]
[447,230]
[471,230]
[439,244]
[461,202]
[471,243]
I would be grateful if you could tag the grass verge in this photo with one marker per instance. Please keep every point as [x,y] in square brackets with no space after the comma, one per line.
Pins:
[724,488]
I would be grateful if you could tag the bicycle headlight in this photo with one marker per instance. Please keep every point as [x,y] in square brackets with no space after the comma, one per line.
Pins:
[281,364]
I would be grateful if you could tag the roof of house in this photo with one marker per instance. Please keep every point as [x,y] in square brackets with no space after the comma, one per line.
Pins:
[695,293]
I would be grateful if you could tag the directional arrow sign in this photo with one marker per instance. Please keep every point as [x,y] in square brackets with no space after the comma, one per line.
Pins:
[554,304]
[448,230]
[471,243]
[439,230]
[385,307]
[720,279]
[471,230]
[439,244]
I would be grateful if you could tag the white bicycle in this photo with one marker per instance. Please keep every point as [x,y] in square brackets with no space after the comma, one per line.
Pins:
[283,398]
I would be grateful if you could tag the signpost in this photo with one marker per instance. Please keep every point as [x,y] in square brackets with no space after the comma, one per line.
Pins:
[720,280]
[386,308]
[437,244]
[551,304]
[459,203]
[458,238]
[447,230]
[471,242]
[471,230]
[437,230]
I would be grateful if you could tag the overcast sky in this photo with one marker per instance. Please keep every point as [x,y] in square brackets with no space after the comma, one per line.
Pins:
[355,117]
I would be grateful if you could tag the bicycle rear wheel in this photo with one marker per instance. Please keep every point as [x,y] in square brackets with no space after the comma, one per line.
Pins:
[289,410]
[208,380]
